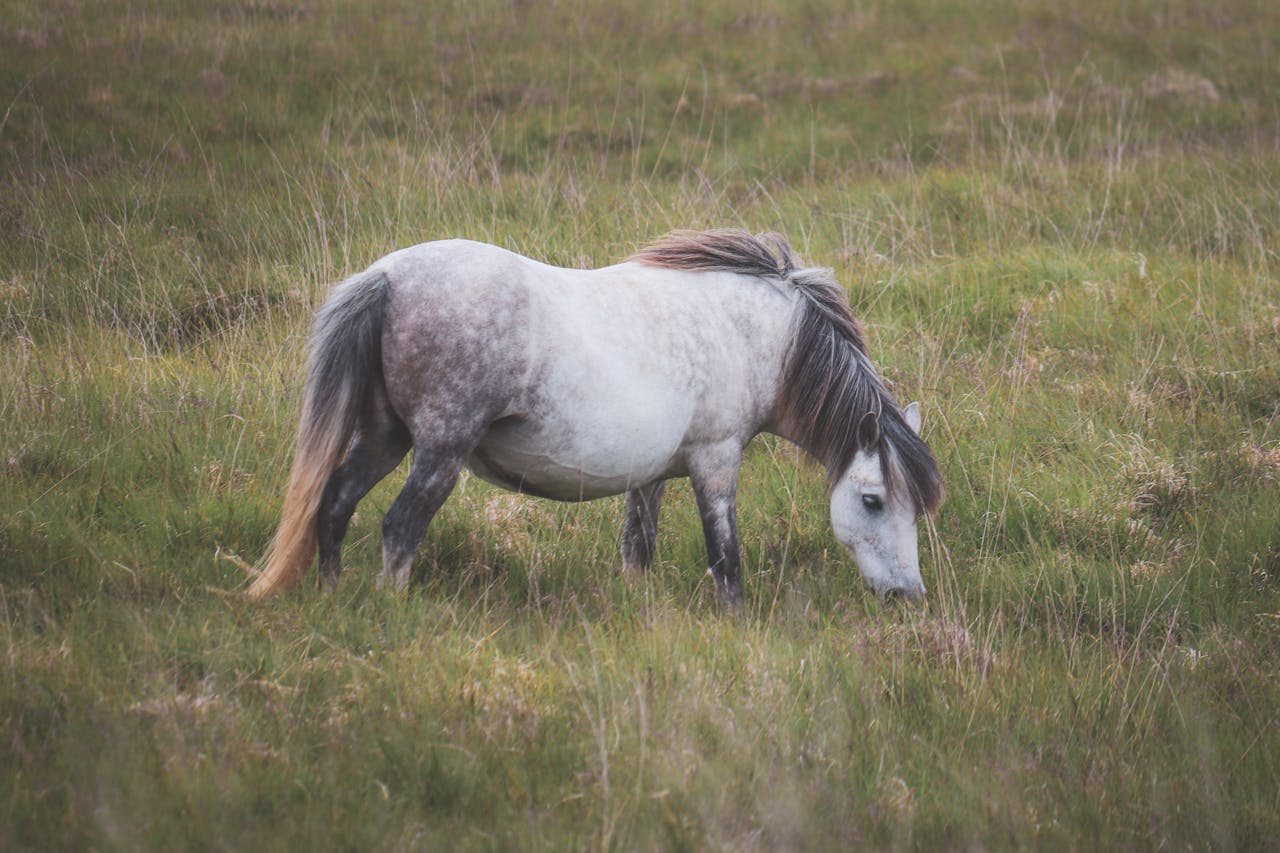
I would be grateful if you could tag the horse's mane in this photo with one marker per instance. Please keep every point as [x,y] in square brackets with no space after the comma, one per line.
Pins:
[829,384]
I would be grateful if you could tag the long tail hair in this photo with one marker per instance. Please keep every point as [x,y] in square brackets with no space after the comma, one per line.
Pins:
[346,360]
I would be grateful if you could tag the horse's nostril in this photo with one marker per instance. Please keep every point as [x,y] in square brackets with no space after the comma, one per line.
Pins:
[901,593]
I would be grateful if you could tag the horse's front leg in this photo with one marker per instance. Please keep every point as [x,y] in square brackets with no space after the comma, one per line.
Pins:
[714,472]
[641,530]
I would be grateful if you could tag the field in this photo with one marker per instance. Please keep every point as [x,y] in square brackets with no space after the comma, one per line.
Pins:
[1060,227]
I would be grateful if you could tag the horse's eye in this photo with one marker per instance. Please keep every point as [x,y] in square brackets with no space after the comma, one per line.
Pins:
[872,502]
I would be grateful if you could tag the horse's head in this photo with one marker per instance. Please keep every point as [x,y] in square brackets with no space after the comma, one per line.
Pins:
[878,523]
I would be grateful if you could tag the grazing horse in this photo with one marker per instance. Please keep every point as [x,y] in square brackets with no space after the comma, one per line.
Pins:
[577,384]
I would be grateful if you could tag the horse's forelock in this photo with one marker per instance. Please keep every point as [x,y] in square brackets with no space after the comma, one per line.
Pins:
[907,462]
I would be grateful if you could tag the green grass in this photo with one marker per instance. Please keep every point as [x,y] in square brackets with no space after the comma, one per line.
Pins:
[1060,227]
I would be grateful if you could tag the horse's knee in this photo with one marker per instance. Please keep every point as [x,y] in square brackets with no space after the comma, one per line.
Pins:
[640,531]
[637,550]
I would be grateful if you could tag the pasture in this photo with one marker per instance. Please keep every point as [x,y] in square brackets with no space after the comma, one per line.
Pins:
[1060,227]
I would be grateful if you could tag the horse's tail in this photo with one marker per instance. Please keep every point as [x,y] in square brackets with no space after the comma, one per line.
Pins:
[346,362]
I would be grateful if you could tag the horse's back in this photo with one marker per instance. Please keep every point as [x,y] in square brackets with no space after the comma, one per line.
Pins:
[580,382]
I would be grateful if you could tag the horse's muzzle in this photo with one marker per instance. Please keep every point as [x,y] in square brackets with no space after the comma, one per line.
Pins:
[904,593]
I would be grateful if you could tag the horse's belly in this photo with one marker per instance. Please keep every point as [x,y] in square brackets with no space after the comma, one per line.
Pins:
[569,465]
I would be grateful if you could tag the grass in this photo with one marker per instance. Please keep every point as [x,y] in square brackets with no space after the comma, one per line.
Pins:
[1059,225]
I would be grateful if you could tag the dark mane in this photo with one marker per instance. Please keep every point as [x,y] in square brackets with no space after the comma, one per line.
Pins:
[720,250]
[829,384]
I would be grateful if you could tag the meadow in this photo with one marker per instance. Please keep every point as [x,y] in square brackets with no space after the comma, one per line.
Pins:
[1059,225]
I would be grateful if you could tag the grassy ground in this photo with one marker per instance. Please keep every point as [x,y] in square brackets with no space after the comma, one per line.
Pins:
[1060,227]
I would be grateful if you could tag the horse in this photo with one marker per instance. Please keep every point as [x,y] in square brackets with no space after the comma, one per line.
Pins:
[579,384]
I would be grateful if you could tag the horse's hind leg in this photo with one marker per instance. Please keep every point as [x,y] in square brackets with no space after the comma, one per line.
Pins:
[377,448]
[430,481]
[641,530]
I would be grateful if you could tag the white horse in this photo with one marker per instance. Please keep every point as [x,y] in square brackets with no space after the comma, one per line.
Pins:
[577,384]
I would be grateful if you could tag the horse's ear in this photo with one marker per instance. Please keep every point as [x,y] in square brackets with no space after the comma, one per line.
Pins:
[912,414]
[869,430]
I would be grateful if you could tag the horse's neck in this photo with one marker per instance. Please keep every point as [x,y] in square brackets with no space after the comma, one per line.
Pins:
[783,427]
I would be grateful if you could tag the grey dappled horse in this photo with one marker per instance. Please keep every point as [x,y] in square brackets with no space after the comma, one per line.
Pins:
[577,384]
